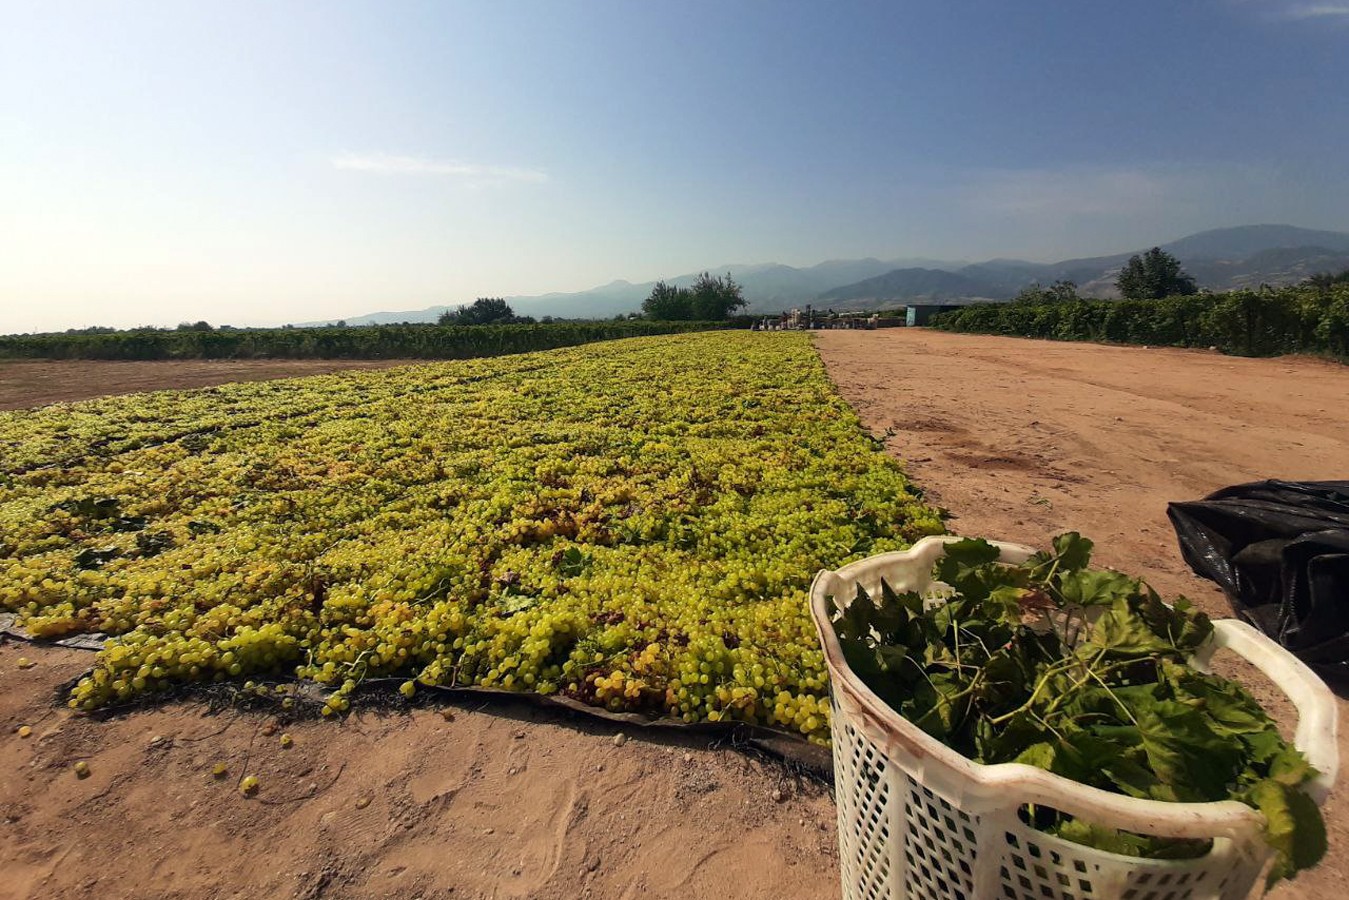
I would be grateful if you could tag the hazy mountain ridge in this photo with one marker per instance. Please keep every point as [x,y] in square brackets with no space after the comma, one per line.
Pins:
[934,285]
[1247,240]
[768,287]
[1219,259]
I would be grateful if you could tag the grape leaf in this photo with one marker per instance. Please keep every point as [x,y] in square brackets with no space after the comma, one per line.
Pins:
[968,553]
[854,622]
[966,567]
[1182,626]
[890,616]
[1293,827]
[1127,843]
[937,706]
[1120,630]
[1227,703]
[911,601]
[1095,587]
[1042,755]
[1185,751]
[1263,746]
[1289,767]
[1072,551]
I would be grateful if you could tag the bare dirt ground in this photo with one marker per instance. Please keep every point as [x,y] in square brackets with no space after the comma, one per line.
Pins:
[25,382]
[1018,439]
[500,802]
[1022,440]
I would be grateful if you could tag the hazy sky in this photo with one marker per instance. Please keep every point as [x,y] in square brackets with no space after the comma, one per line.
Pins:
[250,162]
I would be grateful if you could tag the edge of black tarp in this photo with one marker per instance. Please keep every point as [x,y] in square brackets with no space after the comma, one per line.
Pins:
[778,743]
[1279,550]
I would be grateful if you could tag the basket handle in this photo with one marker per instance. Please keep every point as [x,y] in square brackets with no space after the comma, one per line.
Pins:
[1317,722]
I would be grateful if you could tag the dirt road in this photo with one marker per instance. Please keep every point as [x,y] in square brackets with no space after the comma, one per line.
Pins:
[1025,439]
[1022,440]
[25,382]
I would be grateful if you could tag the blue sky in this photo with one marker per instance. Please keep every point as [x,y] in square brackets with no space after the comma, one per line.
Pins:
[259,163]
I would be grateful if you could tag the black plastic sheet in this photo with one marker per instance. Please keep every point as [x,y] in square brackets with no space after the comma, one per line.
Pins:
[1280,551]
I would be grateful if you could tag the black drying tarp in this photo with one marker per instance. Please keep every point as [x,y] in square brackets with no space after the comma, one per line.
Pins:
[788,746]
[1280,550]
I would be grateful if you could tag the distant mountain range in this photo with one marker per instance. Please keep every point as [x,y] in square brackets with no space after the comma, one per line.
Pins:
[911,284]
[1221,259]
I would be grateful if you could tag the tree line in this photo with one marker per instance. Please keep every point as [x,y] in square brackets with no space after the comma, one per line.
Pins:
[711,298]
[424,341]
[1305,318]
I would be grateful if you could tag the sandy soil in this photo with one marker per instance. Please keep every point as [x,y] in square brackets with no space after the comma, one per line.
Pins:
[1018,439]
[1022,440]
[35,382]
[500,802]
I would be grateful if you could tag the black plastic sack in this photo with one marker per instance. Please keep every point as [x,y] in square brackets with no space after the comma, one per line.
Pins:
[1280,550]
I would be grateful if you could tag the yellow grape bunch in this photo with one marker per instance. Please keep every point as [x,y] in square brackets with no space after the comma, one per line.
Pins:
[633,524]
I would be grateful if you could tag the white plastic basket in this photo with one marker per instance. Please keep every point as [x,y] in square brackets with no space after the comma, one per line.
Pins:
[919,821]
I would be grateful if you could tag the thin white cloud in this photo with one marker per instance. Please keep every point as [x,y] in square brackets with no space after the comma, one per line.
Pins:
[1317,11]
[1296,10]
[473,174]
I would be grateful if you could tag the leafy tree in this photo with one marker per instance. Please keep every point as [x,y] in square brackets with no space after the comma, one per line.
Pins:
[1058,292]
[667,303]
[195,326]
[715,298]
[709,299]
[1154,275]
[1326,279]
[484,311]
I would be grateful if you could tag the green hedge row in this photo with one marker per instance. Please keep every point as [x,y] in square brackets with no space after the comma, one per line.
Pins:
[368,342]
[1268,322]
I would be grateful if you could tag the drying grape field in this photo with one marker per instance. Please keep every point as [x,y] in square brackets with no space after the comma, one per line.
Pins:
[630,524]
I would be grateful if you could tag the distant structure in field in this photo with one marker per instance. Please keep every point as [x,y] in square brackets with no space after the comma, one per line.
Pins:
[920,313]
[810,318]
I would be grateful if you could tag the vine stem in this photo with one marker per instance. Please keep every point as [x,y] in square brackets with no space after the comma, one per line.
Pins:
[1113,696]
[1039,686]
[1090,673]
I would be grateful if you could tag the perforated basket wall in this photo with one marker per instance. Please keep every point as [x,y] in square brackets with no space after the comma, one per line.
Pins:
[900,839]
[917,821]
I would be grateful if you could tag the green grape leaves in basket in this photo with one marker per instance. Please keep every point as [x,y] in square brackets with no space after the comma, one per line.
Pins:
[1084,673]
